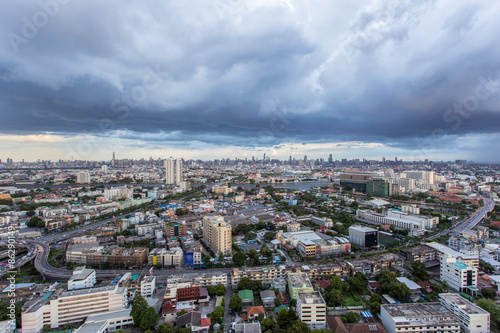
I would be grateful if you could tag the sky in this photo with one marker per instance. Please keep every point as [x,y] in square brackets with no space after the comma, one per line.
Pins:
[206,79]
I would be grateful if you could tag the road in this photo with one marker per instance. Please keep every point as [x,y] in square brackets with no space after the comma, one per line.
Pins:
[227,315]
[474,220]
[471,222]
[42,265]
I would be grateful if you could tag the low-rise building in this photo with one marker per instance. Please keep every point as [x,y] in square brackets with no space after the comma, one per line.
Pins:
[109,321]
[298,282]
[82,278]
[148,286]
[443,250]
[418,317]
[473,319]
[363,236]
[165,258]
[58,308]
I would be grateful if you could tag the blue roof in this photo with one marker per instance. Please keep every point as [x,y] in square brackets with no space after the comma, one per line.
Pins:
[18,286]
[461,265]
[366,314]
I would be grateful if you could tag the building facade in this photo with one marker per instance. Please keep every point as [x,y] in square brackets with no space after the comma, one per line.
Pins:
[311,309]
[418,317]
[217,234]
[473,319]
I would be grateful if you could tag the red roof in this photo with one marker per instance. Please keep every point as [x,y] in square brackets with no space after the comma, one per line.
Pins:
[205,322]
[255,310]
[322,283]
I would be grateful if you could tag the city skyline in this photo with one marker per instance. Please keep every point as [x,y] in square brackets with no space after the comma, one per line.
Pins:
[214,79]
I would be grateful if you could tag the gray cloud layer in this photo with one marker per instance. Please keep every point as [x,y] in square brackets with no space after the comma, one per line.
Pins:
[249,74]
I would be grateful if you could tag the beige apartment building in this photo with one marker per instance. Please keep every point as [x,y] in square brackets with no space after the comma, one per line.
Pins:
[217,234]
[60,308]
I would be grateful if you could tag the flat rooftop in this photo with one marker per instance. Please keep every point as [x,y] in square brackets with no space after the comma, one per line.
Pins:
[78,292]
[462,303]
[82,275]
[313,297]
[299,280]
[446,250]
[417,310]
[361,228]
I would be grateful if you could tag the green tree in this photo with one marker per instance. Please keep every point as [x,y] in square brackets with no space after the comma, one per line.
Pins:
[277,302]
[220,290]
[282,319]
[239,259]
[291,315]
[148,318]
[217,315]
[351,317]
[488,293]
[34,221]
[492,308]
[270,235]
[261,225]
[336,282]
[298,326]
[139,305]
[375,307]
[181,313]
[419,271]
[356,285]
[400,291]
[268,324]
[235,303]
[165,328]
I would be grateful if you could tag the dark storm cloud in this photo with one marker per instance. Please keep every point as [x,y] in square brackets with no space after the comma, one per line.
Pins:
[254,75]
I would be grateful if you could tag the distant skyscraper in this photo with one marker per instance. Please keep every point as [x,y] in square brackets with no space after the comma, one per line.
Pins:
[173,171]
[330,159]
[113,160]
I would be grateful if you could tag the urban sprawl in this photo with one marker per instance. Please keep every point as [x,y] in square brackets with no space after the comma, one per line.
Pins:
[249,245]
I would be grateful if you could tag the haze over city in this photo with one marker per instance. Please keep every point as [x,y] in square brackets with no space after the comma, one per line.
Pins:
[211,79]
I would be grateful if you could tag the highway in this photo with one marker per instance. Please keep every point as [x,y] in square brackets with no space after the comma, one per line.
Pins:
[470,222]
[477,217]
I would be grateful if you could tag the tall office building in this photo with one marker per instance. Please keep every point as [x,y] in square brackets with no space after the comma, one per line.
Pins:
[330,159]
[83,177]
[173,169]
[217,234]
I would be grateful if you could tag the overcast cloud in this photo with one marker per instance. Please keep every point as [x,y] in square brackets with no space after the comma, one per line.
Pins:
[213,78]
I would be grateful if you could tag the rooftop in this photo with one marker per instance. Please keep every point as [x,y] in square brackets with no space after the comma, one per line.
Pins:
[313,297]
[409,283]
[462,303]
[82,275]
[299,280]
[361,228]
[446,250]
[461,265]
[419,311]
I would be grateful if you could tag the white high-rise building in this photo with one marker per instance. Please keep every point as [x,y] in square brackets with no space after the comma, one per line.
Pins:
[83,177]
[459,275]
[173,171]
